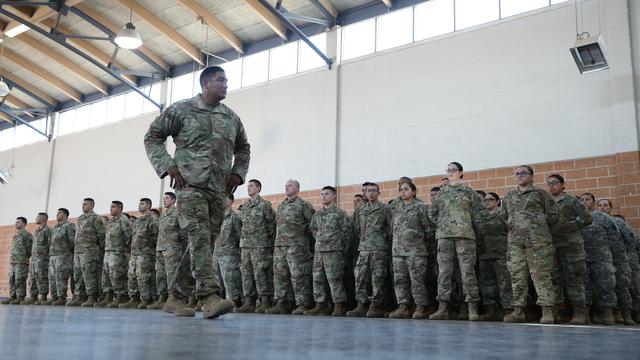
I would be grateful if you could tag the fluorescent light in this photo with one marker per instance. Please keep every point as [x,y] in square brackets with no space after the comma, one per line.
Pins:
[128,37]
[17,30]
[4,88]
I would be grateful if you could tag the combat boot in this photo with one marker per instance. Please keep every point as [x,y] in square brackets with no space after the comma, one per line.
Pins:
[7,301]
[237,302]
[120,299]
[214,306]
[442,313]
[36,300]
[265,303]
[177,307]
[339,310]
[50,302]
[248,306]
[144,304]
[636,317]
[375,310]
[547,315]
[282,308]
[17,301]
[579,315]
[321,309]
[420,313]
[617,316]
[359,311]
[402,312]
[133,303]
[158,304]
[59,302]
[298,311]
[193,302]
[490,313]
[606,317]
[108,298]
[516,316]
[77,300]
[463,312]
[473,311]
[27,301]
[90,301]
[626,315]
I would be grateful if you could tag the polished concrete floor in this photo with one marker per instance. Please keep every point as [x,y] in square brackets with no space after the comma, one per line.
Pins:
[45,332]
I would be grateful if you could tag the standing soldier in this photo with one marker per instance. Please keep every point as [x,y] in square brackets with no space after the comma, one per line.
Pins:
[332,231]
[631,243]
[167,225]
[20,254]
[39,267]
[89,244]
[256,242]
[292,259]
[61,256]
[226,254]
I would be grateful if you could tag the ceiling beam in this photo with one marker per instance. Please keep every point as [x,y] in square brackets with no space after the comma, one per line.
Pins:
[36,14]
[271,20]
[183,44]
[15,102]
[389,3]
[328,5]
[39,94]
[5,118]
[215,24]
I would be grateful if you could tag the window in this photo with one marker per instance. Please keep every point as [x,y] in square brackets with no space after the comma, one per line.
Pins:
[307,58]
[553,2]
[182,87]
[284,60]
[147,106]
[433,18]
[233,70]
[255,68]
[394,29]
[81,119]
[7,139]
[474,12]
[116,108]
[132,104]
[514,7]
[65,123]
[359,39]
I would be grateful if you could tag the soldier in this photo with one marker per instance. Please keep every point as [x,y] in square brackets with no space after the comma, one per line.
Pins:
[20,254]
[432,262]
[142,262]
[372,224]
[168,201]
[433,192]
[622,261]
[634,264]
[332,231]
[571,266]
[529,212]
[454,210]
[61,256]
[155,213]
[397,201]
[39,267]
[358,199]
[208,137]
[117,248]
[292,257]
[256,241]
[226,254]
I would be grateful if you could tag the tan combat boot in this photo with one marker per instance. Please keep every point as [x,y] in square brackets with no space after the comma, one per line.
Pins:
[606,317]
[265,303]
[547,315]
[7,301]
[61,301]
[490,313]
[27,301]
[463,312]
[420,313]
[359,311]
[298,311]
[42,300]
[193,302]
[177,307]
[442,313]
[402,312]
[91,300]
[626,315]
[158,304]
[516,316]
[77,300]
[214,306]
[473,311]
[617,316]
[248,306]
[120,299]
[50,302]
[282,308]
[375,310]
[339,309]
[133,303]
[144,304]
[321,309]
[16,301]
[108,298]
[579,315]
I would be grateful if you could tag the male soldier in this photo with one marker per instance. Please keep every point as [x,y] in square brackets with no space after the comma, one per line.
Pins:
[117,247]
[20,254]
[142,261]
[432,259]
[631,243]
[256,241]
[292,257]
[156,213]
[61,256]
[39,267]
[168,235]
[358,199]
[372,223]
[208,137]
[332,231]
[226,254]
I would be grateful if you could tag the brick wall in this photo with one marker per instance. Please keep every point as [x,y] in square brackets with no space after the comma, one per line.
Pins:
[616,177]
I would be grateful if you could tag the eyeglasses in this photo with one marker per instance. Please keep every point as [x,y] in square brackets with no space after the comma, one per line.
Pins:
[489,199]
[522,173]
[551,183]
[452,170]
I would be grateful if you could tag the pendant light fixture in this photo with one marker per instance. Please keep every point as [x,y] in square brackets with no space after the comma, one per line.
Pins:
[128,37]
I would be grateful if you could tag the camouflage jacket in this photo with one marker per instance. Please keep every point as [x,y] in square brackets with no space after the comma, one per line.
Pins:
[454,211]
[258,223]
[62,239]
[491,236]
[145,237]
[228,242]
[41,243]
[617,246]
[409,227]
[596,238]
[572,217]
[630,242]
[169,234]
[119,234]
[207,140]
[397,201]
[21,247]
[529,214]
[372,224]
[90,234]
[293,217]
[331,229]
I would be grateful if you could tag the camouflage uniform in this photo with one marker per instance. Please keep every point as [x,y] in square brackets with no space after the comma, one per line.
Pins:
[117,249]
[173,272]
[332,231]
[20,254]
[142,261]
[61,257]
[432,263]
[492,256]
[621,263]
[89,244]
[292,259]
[529,215]
[256,241]
[600,278]
[409,250]
[454,210]
[630,242]
[207,140]
[570,261]
[39,267]
[226,255]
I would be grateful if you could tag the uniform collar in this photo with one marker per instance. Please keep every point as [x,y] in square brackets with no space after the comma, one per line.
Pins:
[529,188]
[198,102]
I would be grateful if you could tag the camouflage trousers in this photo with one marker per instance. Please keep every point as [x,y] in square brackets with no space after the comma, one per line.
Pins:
[60,270]
[18,274]
[161,274]
[227,269]
[531,257]
[635,283]
[495,282]
[141,276]
[257,271]
[600,279]
[623,286]
[465,251]
[39,277]
[85,273]
[114,272]
[177,266]
[99,267]
[292,274]
[371,272]
[569,268]
[431,278]
[409,274]
[201,214]
[328,277]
